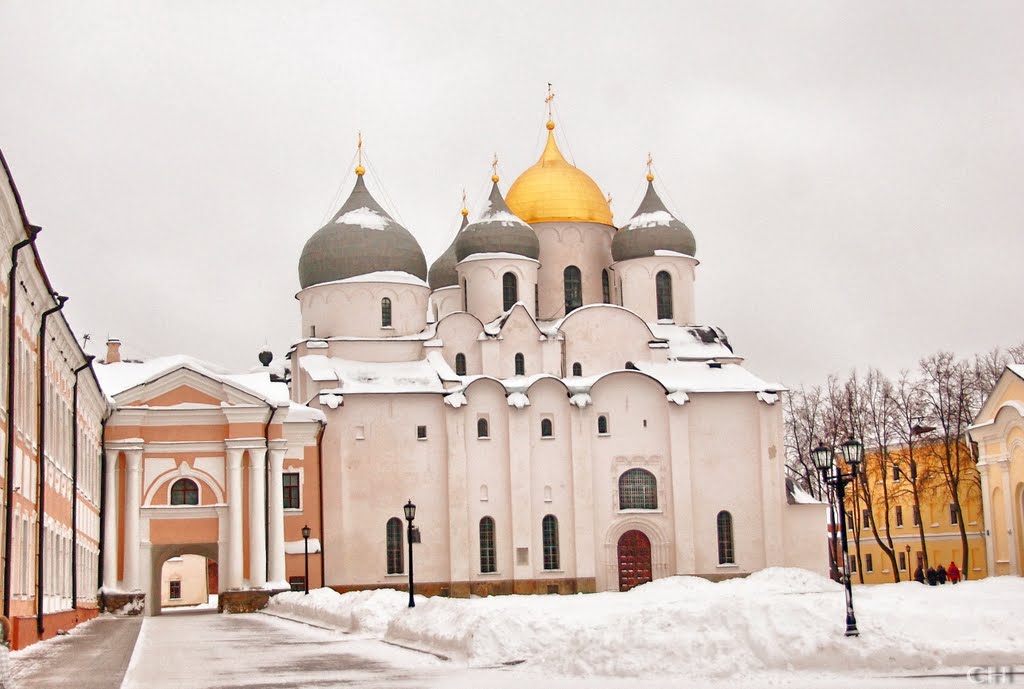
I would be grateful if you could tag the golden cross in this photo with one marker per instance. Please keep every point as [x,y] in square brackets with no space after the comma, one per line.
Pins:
[650,164]
[463,198]
[359,149]
[609,199]
[494,166]
[550,97]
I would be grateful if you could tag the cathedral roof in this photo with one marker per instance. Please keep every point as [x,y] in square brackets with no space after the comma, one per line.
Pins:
[652,228]
[497,231]
[553,190]
[442,272]
[361,238]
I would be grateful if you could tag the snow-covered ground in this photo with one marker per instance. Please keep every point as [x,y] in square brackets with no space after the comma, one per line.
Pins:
[774,622]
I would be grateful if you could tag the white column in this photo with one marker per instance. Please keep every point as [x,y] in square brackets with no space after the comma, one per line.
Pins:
[234,568]
[110,545]
[257,518]
[132,503]
[275,534]
[986,513]
[1011,519]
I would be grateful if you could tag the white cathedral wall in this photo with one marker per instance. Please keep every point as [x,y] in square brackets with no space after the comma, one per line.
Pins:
[446,300]
[586,339]
[354,309]
[637,279]
[586,245]
[483,279]
[518,336]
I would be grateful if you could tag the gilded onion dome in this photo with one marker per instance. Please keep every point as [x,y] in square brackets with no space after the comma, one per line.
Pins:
[442,272]
[497,231]
[361,238]
[553,190]
[652,228]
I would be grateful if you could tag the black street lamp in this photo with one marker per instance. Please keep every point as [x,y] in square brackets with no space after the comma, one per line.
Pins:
[410,514]
[305,581]
[824,461]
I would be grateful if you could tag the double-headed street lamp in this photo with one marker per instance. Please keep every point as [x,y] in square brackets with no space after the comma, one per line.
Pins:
[412,536]
[305,537]
[824,462]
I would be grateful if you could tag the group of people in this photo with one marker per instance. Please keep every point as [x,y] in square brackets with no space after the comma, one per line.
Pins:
[937,575]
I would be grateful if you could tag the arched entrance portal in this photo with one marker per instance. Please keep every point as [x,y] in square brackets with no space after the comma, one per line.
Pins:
[185,577]
[634,559]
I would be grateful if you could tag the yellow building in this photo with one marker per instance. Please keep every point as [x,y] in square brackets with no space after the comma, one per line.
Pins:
[999,432]
[891,492]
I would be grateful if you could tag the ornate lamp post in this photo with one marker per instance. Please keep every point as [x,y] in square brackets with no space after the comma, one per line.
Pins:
[305,581]
[410,514]
[824,462]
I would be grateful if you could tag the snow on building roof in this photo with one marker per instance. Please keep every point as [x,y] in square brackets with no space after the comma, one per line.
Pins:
[393,276]
[1017,368]
[697,376]
[694,342]
[487,255]
[372,376]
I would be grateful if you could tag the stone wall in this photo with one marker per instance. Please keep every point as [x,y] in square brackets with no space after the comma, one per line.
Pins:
[243,601]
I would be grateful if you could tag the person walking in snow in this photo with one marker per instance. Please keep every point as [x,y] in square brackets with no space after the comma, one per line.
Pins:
[933,578]
[919,574]
[940,573]
[953,572]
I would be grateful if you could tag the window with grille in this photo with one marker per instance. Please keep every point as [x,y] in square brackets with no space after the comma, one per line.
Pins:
[394,546]
[460,364]
[175,590]
[184,492]
[573,288]
[602,425]
[549,529]
[663,291]
[899,515]
[488,556]
[421,432]
[509,289]
[638,490]
[577,369]
[726,551]
[606,290]
[546,429]
[482,430]
[385,313]
[290,486]
[520,365]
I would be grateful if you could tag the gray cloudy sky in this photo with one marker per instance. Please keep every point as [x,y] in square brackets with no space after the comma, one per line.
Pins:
[852,171]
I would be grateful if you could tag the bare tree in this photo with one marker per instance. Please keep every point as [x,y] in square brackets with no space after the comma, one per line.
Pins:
[878,416]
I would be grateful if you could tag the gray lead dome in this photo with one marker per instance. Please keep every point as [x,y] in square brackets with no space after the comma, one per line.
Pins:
[652,228]
[361,238]
[442,272]
[497,231]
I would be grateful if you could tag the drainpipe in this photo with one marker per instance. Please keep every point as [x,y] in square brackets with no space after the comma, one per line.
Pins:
[103,506]
[320,485]
[74,483]
[41,488]
[33,232]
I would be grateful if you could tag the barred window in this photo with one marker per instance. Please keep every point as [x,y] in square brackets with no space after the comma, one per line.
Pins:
[663,291]
[577,369]
[184,492]
[510,289]
[638,490]
[394,546]
[573,288]
[520,365]
[460,364]
[602,425]
[482,429]
[546,428]
[606,291]
[549,529]
[175,590]
[385,313]
[726,552]
[488,559]
[290,486]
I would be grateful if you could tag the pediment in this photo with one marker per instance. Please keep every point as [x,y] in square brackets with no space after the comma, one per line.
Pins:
[1009,387]
[186,386]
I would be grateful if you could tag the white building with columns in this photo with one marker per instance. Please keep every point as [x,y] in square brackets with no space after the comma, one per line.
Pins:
[197,462]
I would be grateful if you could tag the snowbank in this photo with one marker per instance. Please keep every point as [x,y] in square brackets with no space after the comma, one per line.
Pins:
[774,620]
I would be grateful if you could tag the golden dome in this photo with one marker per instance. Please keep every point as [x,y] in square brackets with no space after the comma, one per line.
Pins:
[555,191]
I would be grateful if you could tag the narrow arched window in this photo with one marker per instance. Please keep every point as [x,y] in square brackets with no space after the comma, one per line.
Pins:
[394,547]
[573,288]
[726,553]
[549,529]
[488,555]
[460,364]
[546,429]
[602,425]
[606,288]
[638,490]
[184,492]
[482,430]
[663,290]
[465,295]
[577,369]
[520,365]
[509,289]
[385,313]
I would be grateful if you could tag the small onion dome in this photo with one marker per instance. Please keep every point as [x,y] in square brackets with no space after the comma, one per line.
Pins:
[442,272]
[497,230]
[361,238]
[553,190]
[652,228]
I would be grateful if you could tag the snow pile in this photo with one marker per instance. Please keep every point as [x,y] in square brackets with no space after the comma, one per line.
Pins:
[392,276]
[367,218]
[370,376]
[655,219]
[778,619]
[581,400]
[518,400]
[299,547]
[679,397]
[456,400]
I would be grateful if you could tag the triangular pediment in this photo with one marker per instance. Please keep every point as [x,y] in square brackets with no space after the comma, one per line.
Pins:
[1009,388]
[186,386]
[519,321]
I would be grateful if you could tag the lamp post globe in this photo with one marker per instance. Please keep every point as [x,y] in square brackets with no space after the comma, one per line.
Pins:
[822,457]
[853,453]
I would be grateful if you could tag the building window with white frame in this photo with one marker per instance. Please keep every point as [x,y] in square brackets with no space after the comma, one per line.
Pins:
[549,531]
[488,551]
[184,492]
[726,549]
[638,490]
[290,488]
[396,565]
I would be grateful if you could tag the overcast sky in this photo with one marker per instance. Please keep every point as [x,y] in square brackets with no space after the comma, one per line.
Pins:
[852,171]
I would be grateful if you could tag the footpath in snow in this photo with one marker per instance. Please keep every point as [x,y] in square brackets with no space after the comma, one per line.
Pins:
[774,620]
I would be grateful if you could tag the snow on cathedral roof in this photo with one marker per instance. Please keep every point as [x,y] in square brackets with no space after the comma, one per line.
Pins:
[372,376]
